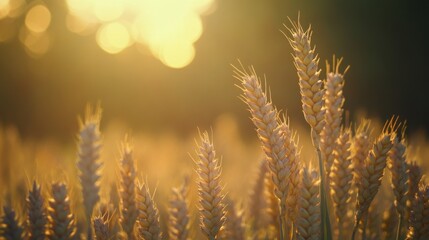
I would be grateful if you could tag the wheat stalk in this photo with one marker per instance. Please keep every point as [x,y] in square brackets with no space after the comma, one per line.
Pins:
[309,216]
[37,219]
[211,198]
[372,173]
[272,205]
[334,102]
[128,191]
[341,178]
[10,228]
[419,220]
[89,152]
[61,220]
[101,228]
[179,213]
[148,219]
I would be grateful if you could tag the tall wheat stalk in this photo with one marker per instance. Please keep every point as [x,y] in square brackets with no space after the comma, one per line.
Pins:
[271,135]
[312,97]
[88,161]
[127,190]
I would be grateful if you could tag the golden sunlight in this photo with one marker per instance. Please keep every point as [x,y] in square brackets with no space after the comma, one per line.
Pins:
[167,28]
[38,19]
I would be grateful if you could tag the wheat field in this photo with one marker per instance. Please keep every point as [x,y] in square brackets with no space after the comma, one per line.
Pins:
[335,178]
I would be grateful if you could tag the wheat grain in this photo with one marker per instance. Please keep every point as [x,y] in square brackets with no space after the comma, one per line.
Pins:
[334,102]
[419,220]
[61,220]
[309,217]
[10,228]
[266,120]
[306,63]
[212,207]
[179,213]
[89,152]
[373,171]
[128,191]
[148,218]
[399,179]
[341,178]
[37,219]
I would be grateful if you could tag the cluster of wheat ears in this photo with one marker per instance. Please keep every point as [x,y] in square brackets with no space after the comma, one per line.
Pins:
[290,199]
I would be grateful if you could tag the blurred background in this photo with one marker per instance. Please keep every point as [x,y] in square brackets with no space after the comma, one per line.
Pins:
[166,66]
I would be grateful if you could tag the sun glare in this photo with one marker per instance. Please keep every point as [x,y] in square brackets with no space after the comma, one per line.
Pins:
[168,28]
[113,37]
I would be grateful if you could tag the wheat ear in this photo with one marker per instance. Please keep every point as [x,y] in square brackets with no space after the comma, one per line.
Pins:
[211,198]
[37,219]
[341,178]
[419,220]
[10,228]
[414,176]
[179,213]
[257,201]
[306,62]
[88,160]
[272,207]
[309,216]
[372,172]
[101,228]
[128,191]
[61,220]
[360,149]
[148,219]
[270,133]
[334,101]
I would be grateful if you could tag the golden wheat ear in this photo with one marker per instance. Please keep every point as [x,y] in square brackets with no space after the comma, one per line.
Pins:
[334,101]
[210,190]
[61,220]
[265,118]
[149,227]
[419,219]
[11,228]
[179,222]
[306,62]
[89,146]
[127,190]
[341,178]
[372,172]
[37,219]
[309,216]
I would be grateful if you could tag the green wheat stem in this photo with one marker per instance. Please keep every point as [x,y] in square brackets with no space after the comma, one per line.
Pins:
[398,231]
[325,222]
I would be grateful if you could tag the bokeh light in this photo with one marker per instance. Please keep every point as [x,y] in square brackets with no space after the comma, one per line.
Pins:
[38,19]
[168,28]
[113,37]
